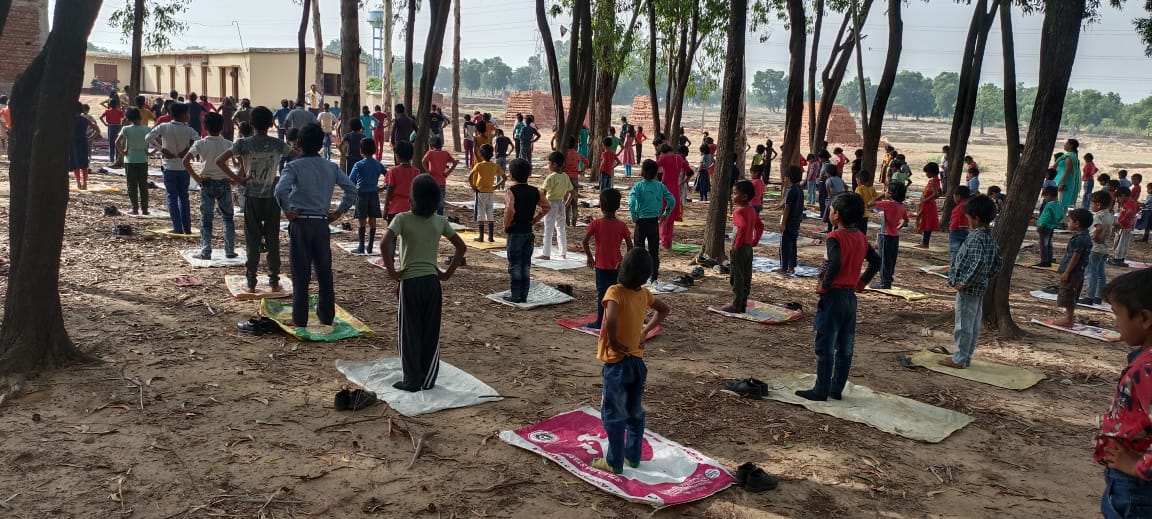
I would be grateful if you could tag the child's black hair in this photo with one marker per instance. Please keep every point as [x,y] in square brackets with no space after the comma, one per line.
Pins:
[1123,192]
[403,150]
[311,138]
[850,207]
[994,189]
[898,191]
[865,177]
[664,148]
[367,147]
[858,153]
[635,268]
[824,155]
[486,152]
[246,129]
[132,114]
[1051,191]
[424,195]
[974,172]
[1103,178]
[705,150]
[571,142]
[1051,174]
[1113,185]
[1087,156]
[932,170]
[683,150]
[963,192]
[1122,173]
[1133,291]
[982,208]
[757,170]
[794,174]
[293,135]
[1081,216]
[177,110]
[1137,178]
[355,125]
[609,200]
[648,169]
[520,170]
[1103,198]
[760,148]
[607,142]
[556,158]
[213,123]
[838,150]
[745,188]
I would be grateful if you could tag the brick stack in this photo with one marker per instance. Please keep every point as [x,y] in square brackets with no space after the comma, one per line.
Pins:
[539,104]
[24,34]
[642,112]
[841,128]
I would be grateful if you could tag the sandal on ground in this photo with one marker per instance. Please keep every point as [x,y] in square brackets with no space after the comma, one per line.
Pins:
[354,400]
[940,349]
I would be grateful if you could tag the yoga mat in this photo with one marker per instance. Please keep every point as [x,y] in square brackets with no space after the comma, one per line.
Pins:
[999,375]
[1137,264]
[936,270]
[931,248]
[349,247]
[903,293]
[539,295]
[1040,294]
[763,313]
[218,259]
[332,229]
[580,325]
[378,261]
[454,387]
[96,189]
[889,413]
[573,260]
[772,239]
[812,214]
[165,231]
[238,287]
[120,172]
[669,473]
[1053,268]
[471,205]
[344,326]
[469,237]
[661,287]
[761,264]
[1083,330]
[684,248]
[152,215]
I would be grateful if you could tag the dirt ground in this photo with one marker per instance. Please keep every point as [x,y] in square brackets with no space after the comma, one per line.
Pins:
[186,417]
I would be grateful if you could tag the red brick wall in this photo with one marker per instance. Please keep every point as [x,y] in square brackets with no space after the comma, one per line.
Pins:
[23,36]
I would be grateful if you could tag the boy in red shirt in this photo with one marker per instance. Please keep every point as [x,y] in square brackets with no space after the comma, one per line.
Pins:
[835,323]
[608,163]
[757,202]
[895,218]
[958,223]
[574,165]
[609,233]
[1125,221]
[749,227]
[399,181]
[436,162]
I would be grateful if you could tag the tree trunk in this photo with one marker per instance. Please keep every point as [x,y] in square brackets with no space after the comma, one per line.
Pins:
[433,51]
[1060,37]
[349,61]
[409,42]
[386,83]
[32,334]
[302,55]
[581,69]
[833,75]
[728,135]
[1011,108]
[884,88]
[814,139]
[318,39]
[684,73]
[652,68]
[608,77]
[137,60]
[553,70]
[5,8]
[793,113]
[456,116]
[857,25]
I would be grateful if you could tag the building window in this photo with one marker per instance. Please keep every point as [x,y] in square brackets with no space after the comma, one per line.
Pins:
[332,85]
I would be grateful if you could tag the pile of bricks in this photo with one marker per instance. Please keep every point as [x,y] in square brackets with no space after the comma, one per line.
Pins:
[539,104]
[642,113]
[841,128]
[24,34]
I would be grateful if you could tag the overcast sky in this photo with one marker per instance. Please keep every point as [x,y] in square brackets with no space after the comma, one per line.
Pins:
[1111,57]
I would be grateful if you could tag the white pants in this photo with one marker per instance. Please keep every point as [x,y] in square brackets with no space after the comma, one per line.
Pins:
[1123,241]
[555,223]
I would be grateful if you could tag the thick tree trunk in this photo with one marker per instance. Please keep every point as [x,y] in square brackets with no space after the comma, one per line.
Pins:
[386,83]
[857,25]
[652,68]
[409,42]
[301,50]
[318,42]
[1060,37]
[456,116]
[433,51]
[833,75]
[884,88]
[581,69]
[32,334]
[553,70]
[728,135]
[1011,108]
[608,77]
[349,61]
[137,60]
[794,107]
[684,73]
[814,139]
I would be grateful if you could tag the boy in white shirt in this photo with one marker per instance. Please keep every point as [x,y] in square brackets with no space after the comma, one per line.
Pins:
[215,186]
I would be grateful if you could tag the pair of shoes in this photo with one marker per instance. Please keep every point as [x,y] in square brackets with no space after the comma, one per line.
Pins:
[354,400]
[133,213]
[231,255]
[111,210]
[697,272]
[754,479]
[122,230]
[705,261]
[879,286]
[567,289]
[513,300]
[684,280]
[749,387]
[202,256]
[602,464]
[721,269]
[257,326]
[793,306]
[346,226]
[1043,265]
[1088,301]
[453,219]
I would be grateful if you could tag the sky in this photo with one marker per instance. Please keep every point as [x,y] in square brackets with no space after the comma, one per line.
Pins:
[1110,56]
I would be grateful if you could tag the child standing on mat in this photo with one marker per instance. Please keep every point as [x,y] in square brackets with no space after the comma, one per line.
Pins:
[1051,212]
[399,181]
[520,215]
[1073,266]
[439,164]
[958,223]
[1123,445]
[977,261]
[1125,221]
[749,227]
[621,348]
[557,189]
[703,173]
[649,204]
[305,194]
[133,145]
[895,218]
[1102,223]
[927,219]
[609,233]
[215,186]
[174,138]
[419,292]
[846,250]
[366,176]
[791,219]
[483,182]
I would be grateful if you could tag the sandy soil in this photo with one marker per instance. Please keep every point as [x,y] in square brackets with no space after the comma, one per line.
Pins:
[186,417]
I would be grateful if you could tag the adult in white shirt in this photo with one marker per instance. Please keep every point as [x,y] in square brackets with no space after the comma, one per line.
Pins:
[328,123]
[314,99]
[174,139]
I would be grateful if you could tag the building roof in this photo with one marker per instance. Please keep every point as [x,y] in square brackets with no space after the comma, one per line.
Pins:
[205,52]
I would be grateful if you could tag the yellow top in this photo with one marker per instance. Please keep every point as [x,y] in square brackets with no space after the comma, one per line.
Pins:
[868,193]
[483,177]
[557,185]
[631,308]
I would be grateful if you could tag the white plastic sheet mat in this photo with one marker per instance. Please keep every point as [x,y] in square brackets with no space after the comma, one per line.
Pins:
[669,473]
[350,248]
[1040,294]
[539,295]
[218,259]
[570,262]
[121,173]
[662,287]
[471,205]
[761,264]
[772,239]
[152,215]
[454,387]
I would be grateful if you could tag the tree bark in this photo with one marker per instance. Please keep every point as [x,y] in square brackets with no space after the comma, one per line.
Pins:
[456,116]
[349,61]
[612,55]
[318,39]
[409,42]
[833,75]
[652,68]
[580,68]
[687,56]
[794,110]
[386,83]
[729,133]
[875,126]
[1060,37]
[1011,105]
[137,60]
[5,8]
[433,51]
[815,139]
[553,70]
[32,334]
[302,55]
[857,25]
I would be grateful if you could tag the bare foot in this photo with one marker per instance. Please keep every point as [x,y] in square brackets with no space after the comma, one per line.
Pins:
[921,246]
[251,290]
[949,364]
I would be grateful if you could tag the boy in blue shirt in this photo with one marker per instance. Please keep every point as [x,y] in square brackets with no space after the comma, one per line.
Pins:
[366,175]
[649,204]
[976,262]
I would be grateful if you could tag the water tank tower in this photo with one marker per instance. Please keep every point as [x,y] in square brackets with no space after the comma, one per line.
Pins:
[376,20]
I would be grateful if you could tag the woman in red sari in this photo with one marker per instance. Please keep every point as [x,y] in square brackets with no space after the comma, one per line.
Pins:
[927,217]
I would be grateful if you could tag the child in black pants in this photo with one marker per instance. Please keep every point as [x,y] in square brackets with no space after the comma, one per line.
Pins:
[790,221]
[520,216]
[650,204]
[895,218]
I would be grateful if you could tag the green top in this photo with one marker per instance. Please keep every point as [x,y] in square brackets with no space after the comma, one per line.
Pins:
[419,242]
[136,143]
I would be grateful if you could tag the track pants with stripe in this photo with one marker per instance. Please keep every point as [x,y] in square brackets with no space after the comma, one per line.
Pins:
[418,330]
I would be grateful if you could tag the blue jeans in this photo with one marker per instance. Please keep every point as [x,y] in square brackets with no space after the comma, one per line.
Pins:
[502,163]
[606,180]
[811,192]
[176,183]
[520,263]
[310,244]
[216,194]
[1086,199]
[835,326]
[969,313]
[1125,497]
[1094,275]
[1045,245]
[622,410]
[327,145]
[113,132]
[604,279]
[955,240]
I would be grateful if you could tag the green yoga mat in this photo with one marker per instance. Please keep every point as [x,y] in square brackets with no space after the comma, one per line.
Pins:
[344,326]
[684,248]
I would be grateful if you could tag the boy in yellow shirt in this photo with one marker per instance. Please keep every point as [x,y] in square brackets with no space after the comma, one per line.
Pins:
[558,190]
[864,188]
[621,348]
[483,182]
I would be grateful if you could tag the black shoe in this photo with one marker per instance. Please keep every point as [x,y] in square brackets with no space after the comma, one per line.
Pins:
[684,281]
[122,230]
[512,300]
[406,387]
[793,306]
[743,471]
[342,398]
[760,481]
[810,394]
[111,210]
[1051,289]
[749,387]
[567,289]
[257,326]
[231,255]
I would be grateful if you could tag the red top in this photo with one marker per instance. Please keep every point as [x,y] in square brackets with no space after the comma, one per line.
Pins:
[841,160]
[438,165]
[163,119]
[959,219]
[574,163]
[1128,212]
[757,191]
[383,118]
[894,214]
[609,235]
[399,180]
[853,250]
[113,116]
[1127,421]
[640,137]
[1136,192]
[1089,171]
[608,161]
[671,165]
[712,148]
[749,227]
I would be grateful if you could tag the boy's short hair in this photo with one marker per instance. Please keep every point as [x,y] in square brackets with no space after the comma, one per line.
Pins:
[837,150]
[865,177]
[607,141]
[403,150]
[246,129]
[664,148]
[635,268]
[898,191]
[932,169]
[1136,178]
[794,174]
[1123,192]
[1133,291]
[683,150]
[486,152]
[293,135]
[1050,191]
[556,157]
[1081,216]
[1114,184]
[520,170]
[648,169]
[824,154]
[964,192]
[261,118]
[132,114]
[1103,178]
[1103,198]
[849,206]
[177,110]
[982,208]
[367,147]
[355,125]
[311,138]
[213,123]
[994,189]
[1087,156]
[1122,173]
[610,200]
[745,188]
[1051,174]
[760,148]
[424,195]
